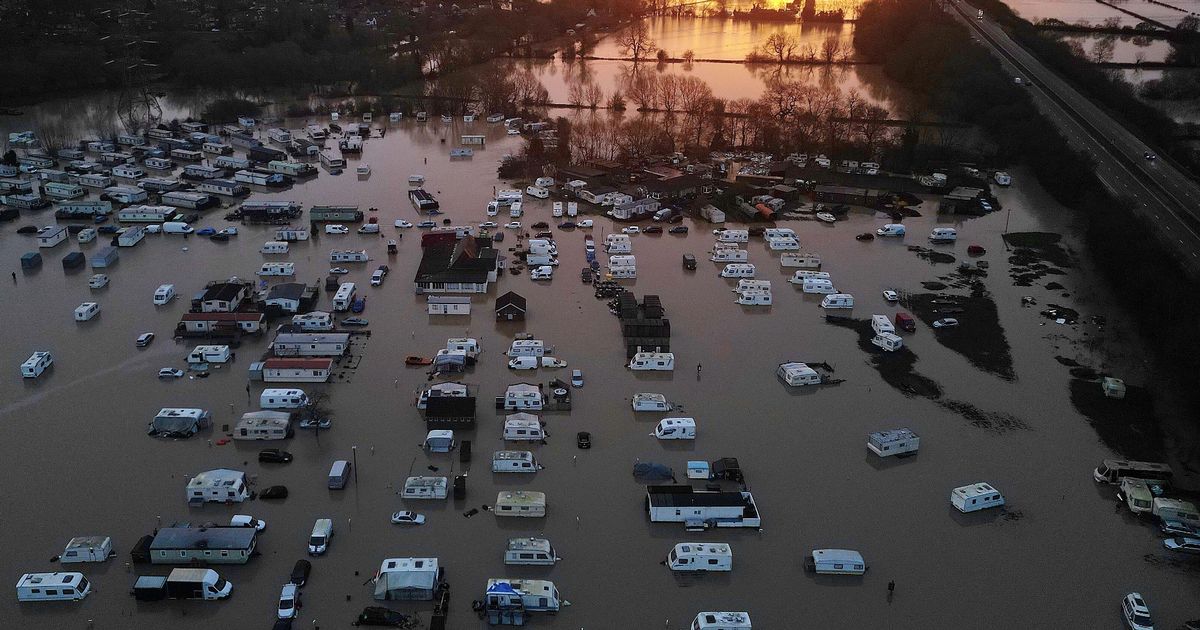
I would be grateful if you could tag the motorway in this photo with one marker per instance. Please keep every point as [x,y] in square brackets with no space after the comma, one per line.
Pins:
[1167,198]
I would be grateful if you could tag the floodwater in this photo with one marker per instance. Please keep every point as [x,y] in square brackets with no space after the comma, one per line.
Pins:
[716,38]
[1061,554]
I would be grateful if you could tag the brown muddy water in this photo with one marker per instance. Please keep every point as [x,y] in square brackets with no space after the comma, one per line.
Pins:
[1061,554]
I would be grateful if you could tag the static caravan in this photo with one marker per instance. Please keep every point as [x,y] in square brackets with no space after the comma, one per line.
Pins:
[159,184]
[943,235]
[797,374]
[16,186]
[146,214]
[425,488]
[732,236]
[57,586]
[282,399]
[159,164]
[126,194]
[131,236]
[738,270]
[343,297]
[701,508]
[216,148]
[332,161]
[514,462]
[82,209]
[202,171]
[25,202]
[338,255]
[801,260]
[51,236]
[835,562]
[50,175]
[209,354]
[527,348]
[530,551]
[105,257]
[1177,510]
[179,422]
[439,441]
[317,320]
[87,549]
[521,503]
[274,247]
[95,180]
[277,269]
[675,429]
[893,442]
[818,285]
[86,311]
[294,169]
[837,301]
[116,159]
[650,402]
[229,161]
[730,254]
[700,556]
[977,496]
[525,427]
[59,190]
[653,361]
[187,155]
[36,364]
[186,199]
[130,140]
[221,485]
[259,178]
[282,136]
[263,425]
[222,186]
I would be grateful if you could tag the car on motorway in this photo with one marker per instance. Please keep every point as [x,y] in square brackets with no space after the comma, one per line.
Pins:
[1150,156]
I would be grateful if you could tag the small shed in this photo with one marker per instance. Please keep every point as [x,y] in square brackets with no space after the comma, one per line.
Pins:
[73,260]
[510,307]
[31,260]
[448,305]
[105,257]
[450,412]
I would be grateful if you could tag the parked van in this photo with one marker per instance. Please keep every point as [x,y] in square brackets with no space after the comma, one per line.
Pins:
[891,229]
[977,496]
[514,462]
[836,562]
[675,429]
[738,270]
[339,474]
[36,364]
[838,300]
[176,227]
[943,235]
[523,429]
[523,363]
[86,311]
[700,556]
[530,551]
[729,255]
[209,354]
[57,586]
[522,503]
[274,247]
[318,541]
[650,402]
[1176,510]
[818,285]
[282,399]
[277,269]
[881,324]
[164,294]
[425,488]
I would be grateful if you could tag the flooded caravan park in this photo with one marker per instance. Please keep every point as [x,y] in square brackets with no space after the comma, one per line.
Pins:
[1061,552]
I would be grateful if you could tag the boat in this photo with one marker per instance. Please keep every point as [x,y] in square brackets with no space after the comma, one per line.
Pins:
[363,170]
[413,359]
[826,217]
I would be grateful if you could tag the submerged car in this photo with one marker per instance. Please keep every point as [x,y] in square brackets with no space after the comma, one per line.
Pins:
[584,223]
[354,321]
[653,229]
[576,378]
[289,601]
[678,229]
[583,440]
[274,456]
[513,225]
[402,224]
[631,229]
[426,225]
[945,322]
[406,517]
[144,339]
[245,520]
[274,492]
[206,231]
[1136,612]
[380,616]
[1183,544]
[300,572]
[336,229]
[891,296]
[337,271]
[489,224]
[1179,528]
[170,373]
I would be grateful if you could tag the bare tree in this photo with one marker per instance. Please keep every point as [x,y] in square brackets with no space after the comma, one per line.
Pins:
[831,49]
[780,46]
[636,42]
[575,94]
[593,95]
[1102,50]
[668,92]
[642,89]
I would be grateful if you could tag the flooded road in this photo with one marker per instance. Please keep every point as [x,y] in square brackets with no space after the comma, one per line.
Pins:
[1061,554]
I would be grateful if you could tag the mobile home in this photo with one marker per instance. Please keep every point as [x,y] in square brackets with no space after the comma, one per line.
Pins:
[159,184]
[893,442]
[1112,470]
[425,488]
[263,425]
[202,171]
[943,235]
[222,186]
[187,155]
[158,164]
[697,508]
[187,199]
[282,399]
[976,496]
[209,354]
[207,545]
[146,214]
[164,294]
[216,148]
[229,161]
[520,503]
[59,190]
[700,556]
[126,194]
[530,551]
[221,485]
[51,235]
[57,586]
[836,562]
[36,364]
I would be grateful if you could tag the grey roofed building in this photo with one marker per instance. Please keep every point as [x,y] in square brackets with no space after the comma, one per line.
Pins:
[169,538]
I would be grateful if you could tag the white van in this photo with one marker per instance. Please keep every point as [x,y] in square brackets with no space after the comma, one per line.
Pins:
[86,311]
[976,496]
[738,270]
[343,297]
[557,210]
[729,255]
[425,488]
[943,235]
[209,354]
[650,402]
[176,227]
[36,364]
[57,586]
[700,556]
[818,285]
[274,247]
[530,551]
[515,211]
[514,462]
[881,324]
[675,429]
[277,269]
[318,541]
[282,399]
[838,300]
[891,229]
[836,562]
[537,191]
[523,429]
[523,363]
[339,475]
[164,294]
